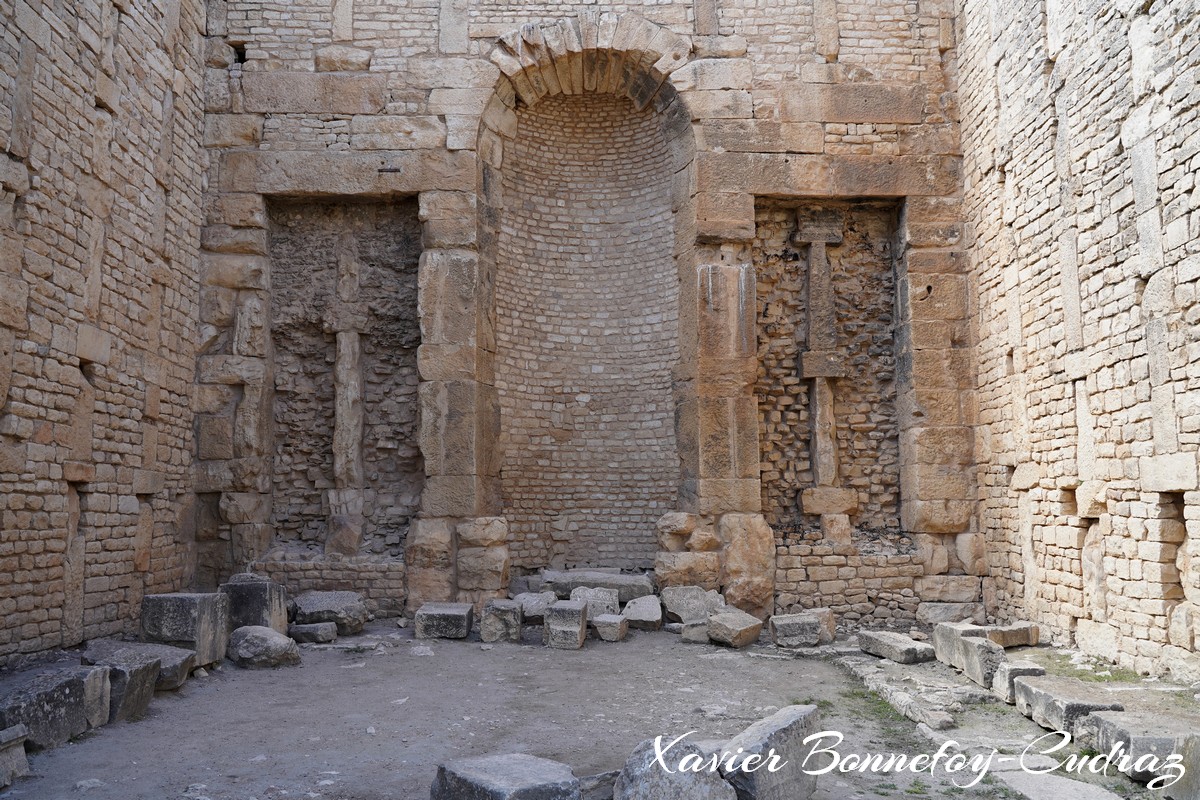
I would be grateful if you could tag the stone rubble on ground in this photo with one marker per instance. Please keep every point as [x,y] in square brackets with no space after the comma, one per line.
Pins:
[643,778]
[256,600]
[132,676]
[628,587]
[783,732]
[1007,672]
[599,599]
[805,629]
[260,647]
[175,663]
[13,763]
[534,605]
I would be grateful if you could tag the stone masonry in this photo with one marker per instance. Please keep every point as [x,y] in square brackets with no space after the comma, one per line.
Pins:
[886,307]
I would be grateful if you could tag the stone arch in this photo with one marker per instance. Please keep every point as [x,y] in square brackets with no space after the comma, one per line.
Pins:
[614,69]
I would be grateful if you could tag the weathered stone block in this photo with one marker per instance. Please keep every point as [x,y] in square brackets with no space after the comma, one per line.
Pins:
[443,621]
[828,500]
[483,532]
[673,529]
[483,568]
[644,613]
[341,58]
[687,603]
[259,647]
[784,733]
[852,102]
[565,625]
[346,609]
[175,663]
[734,627]
[895,647]
[610,627]
[694,631]
[806,629]
[1007,673]
[55,704]
[599,600]
[949,588]
[132,676]
[1018,634]
[930,613]
[643,778]
[314,632]
[511,776]
[313,93]
[963,647]
[256,600]
[628,587]
[198,622]
[688,569]
[748,569]
[501,621]
[534,605]
[1057,703]
[13,763]
[1173,472]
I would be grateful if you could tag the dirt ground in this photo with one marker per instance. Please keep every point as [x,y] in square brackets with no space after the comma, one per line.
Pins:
[373,724]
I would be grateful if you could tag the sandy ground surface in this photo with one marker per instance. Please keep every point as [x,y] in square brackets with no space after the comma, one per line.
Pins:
[374,724]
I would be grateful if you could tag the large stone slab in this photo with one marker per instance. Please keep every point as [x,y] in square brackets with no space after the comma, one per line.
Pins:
[534,605]
[501,621]
[55,704]
[1007,672]
[806,629]
[565,626]
[931,613]
[260,647]
[686,603]
[256,600]
[511,776]
[895,647]
[443,621]
[132,677]
[733,627]
[175,664]
[1018,634]
[13,763]
[644,613]
[643,776]
[963,646]
[347,609]
[1058,703]
[1148,738]
[600,600]
[563,582]
[193,621]
[784,732]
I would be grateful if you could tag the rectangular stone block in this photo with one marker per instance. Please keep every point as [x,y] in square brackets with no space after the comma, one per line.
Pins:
[565,625]
[256,600]
[175,663]
[1057,703]
[806,629]
[198,622]
[895,647]
[510,776]
[313,93]
[610,627]
[55,704]
[783,733]
[1003,682]
[963,646]
[13,763]
[501,621]
[1173,472]
[443,621]
[828,500]
[852,102]
[949,588]
[628,587]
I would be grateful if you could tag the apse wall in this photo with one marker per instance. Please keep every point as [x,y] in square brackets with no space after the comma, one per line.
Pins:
[587,300]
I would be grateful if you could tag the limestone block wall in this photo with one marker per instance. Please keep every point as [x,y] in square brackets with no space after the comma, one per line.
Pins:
[100,181]
[1080,143]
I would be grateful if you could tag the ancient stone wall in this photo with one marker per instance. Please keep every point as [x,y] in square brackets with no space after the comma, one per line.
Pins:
[100,184]
[587,306]
[1080,143]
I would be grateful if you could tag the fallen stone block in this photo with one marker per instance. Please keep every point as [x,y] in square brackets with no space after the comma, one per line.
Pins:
[174,663]
[1007,672]
[346,609]
[13,763]
[313,632]
[643,778]
[784,733]
[260,647]
[132,677]
[733,627]
[695,631]
[501,621]
[1058,703]
[512,776]
[962,646]
[895,647]
[600,600]
[55,704]
[565,626]
[443,621]
[644,613]
[1147,738]
[256,600]
[932,613]
[1188,786]
[534,605]
[684,603]
[563,582]
[1019,634]
[610,627]
[193,621]
[806,629]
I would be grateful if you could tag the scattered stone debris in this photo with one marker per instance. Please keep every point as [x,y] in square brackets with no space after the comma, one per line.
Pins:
[314,632]
[132,675]
[511,776]
[695,631]
[443,621]
[260,647]
[194,621]
[347,609]
[895,647]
